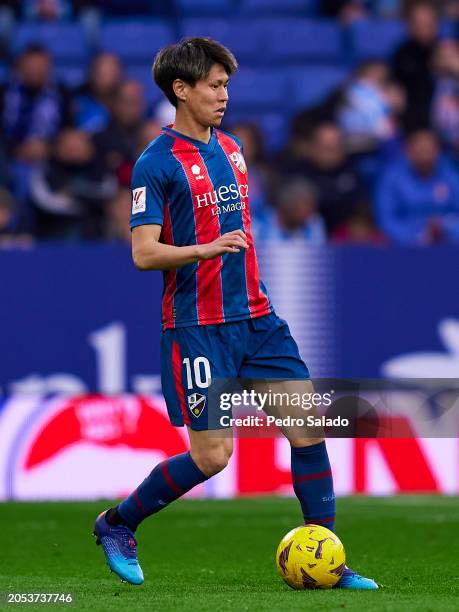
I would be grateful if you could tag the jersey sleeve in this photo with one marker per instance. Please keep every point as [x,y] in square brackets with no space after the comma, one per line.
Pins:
[148,193]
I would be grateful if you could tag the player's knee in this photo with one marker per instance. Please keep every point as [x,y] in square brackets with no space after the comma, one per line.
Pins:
[299,442]
[212,460]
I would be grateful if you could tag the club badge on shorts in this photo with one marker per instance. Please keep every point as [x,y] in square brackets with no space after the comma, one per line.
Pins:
[196,403]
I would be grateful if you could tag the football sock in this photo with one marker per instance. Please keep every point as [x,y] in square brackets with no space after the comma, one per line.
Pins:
[313,484]
[169,480]
[113,517]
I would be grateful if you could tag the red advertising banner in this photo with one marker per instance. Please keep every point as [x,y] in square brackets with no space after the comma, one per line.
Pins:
[94,446]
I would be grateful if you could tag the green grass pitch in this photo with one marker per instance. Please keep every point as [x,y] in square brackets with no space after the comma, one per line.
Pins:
[219,555]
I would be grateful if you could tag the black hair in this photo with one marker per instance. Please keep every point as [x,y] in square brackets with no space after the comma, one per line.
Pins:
[411,6]
[190,60]
[421,130]
[369,63]
[33,49]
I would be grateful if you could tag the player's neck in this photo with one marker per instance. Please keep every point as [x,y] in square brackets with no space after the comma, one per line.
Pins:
[188,127]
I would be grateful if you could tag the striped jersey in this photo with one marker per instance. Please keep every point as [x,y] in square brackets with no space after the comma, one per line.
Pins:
[197,192]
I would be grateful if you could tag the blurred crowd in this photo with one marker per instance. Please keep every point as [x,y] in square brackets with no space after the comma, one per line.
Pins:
[344,9]
[376,162]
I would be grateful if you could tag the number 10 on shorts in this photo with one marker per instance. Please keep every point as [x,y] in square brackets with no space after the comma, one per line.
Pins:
[200,369]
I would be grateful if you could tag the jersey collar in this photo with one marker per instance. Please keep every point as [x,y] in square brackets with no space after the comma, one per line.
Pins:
[202,146]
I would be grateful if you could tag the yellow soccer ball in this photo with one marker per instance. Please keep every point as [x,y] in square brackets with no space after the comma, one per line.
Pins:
[310,557]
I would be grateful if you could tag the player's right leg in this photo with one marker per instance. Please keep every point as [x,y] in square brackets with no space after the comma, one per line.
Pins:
[190,356]
[168,481]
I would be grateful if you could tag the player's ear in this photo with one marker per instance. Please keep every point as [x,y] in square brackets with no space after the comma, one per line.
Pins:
[180,89]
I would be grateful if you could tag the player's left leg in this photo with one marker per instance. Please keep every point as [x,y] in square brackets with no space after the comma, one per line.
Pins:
[312,477]
[274,355]
[313,485]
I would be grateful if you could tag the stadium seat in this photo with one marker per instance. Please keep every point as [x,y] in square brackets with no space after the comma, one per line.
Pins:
[142,73]
[123,8]
[66,41]
[258,89]
[242,37]
[275,130]
[293,39]
[376,38]
[311,85]
[135,41]
[274,126]
[4,71]
[205,7]
[72,76]
[280,7]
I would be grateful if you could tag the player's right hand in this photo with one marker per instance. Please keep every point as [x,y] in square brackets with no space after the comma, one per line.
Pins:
[231,242]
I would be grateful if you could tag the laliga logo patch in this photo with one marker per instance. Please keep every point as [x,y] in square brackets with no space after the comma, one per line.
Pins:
[196,403]
[139,200]
[238,161]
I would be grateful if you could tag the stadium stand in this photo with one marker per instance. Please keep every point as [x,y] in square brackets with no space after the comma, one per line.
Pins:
[296,67]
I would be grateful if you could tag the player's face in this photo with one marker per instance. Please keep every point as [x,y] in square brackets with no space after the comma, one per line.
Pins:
[207,100]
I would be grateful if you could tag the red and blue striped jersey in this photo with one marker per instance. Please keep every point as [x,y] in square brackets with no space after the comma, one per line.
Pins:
[197,192]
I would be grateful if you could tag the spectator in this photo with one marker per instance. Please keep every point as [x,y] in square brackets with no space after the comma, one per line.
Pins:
[33,107]
[359,229]
[164,112]
[350,10]
[118,142]
[80,6]
[117,216]
[4,168]
[94,100]
[368,115]
[418,195]
[451,9]
[7,209]
[295,216]
[149,131]
[346,10]
[69,191]
[323,160]
[127,8]
[47,10]
[413,61]
[252,142]
[10,234]
[9,11]
[445,106]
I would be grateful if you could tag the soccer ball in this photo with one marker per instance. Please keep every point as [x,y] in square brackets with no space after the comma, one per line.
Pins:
[310,557]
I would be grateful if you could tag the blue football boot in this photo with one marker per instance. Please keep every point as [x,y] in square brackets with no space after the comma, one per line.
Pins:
[120,549]
[352,580]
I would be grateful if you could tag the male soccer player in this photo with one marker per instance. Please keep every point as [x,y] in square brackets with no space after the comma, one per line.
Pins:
[191,219]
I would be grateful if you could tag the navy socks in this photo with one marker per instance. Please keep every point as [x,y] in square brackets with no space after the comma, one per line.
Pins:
[168,481]
[313,484]
[172,478]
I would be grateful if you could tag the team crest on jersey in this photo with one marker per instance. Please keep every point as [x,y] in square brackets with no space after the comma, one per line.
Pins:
[239,161]
[196,403]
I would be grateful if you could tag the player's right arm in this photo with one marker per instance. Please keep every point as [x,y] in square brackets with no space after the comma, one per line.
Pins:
[149,253]
[150,186]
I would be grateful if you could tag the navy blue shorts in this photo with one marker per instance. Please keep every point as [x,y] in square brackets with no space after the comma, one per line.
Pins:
[191,357]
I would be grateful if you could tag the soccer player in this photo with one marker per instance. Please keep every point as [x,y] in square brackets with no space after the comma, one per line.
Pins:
[191,219]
